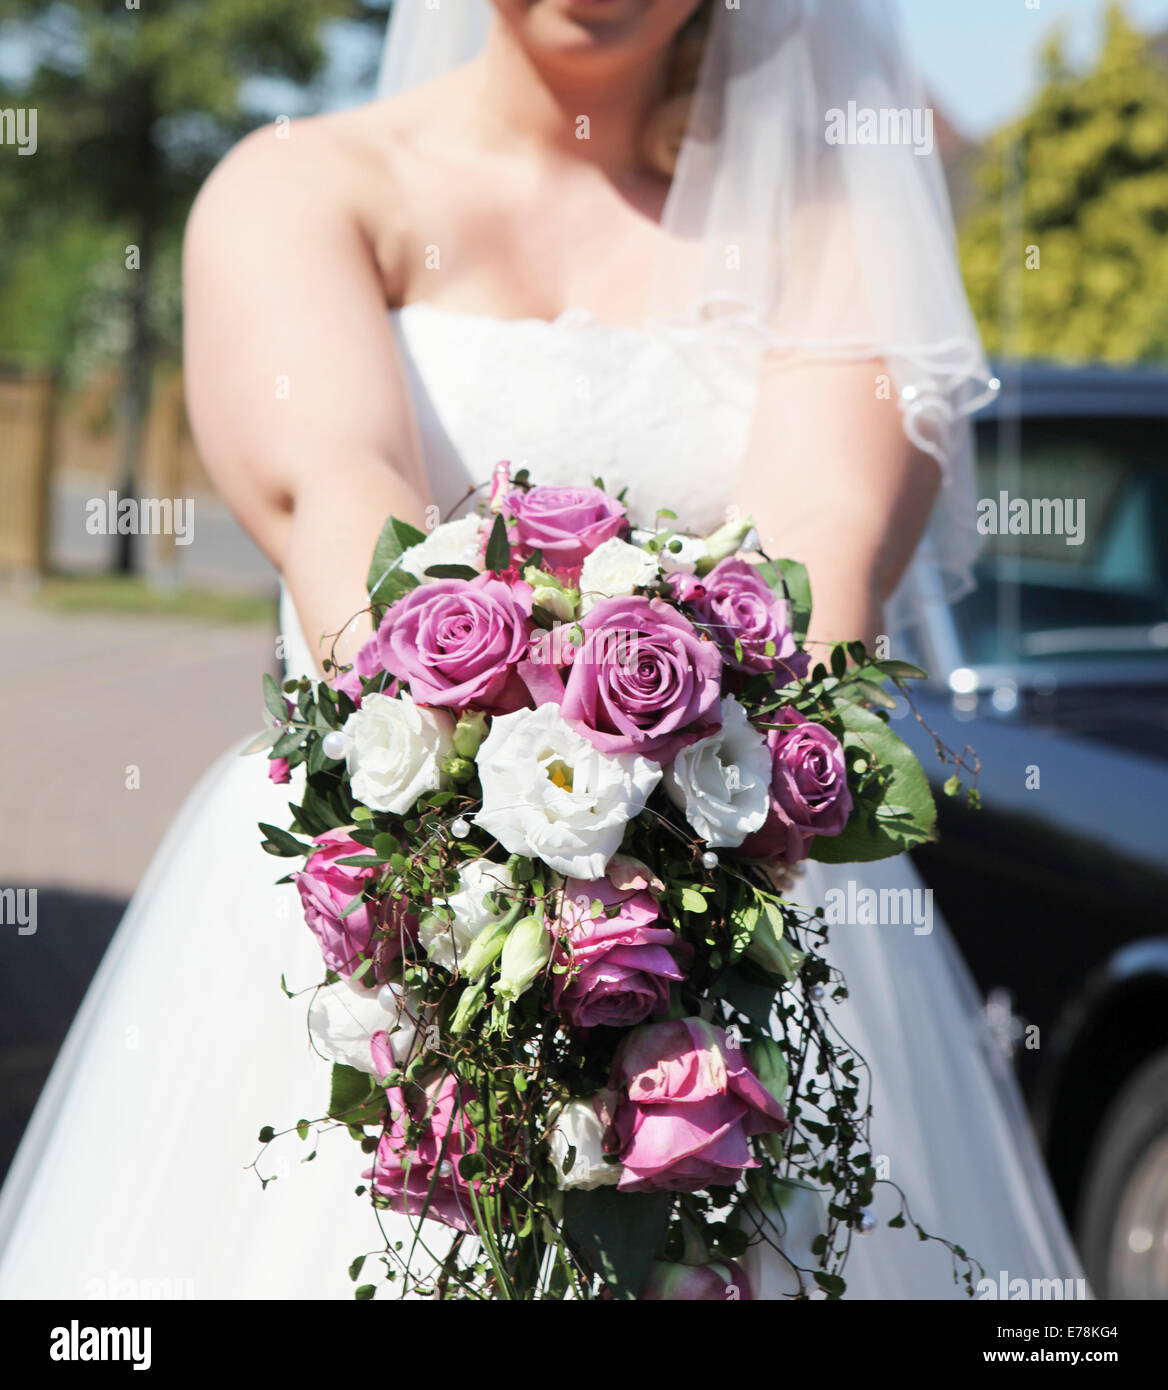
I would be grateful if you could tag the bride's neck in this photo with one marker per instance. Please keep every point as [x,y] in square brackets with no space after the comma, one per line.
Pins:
[557,108]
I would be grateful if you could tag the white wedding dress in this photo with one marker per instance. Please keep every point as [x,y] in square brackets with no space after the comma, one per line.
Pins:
[133,1177]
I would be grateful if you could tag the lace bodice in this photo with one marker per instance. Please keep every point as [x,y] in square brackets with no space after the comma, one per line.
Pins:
[572,400]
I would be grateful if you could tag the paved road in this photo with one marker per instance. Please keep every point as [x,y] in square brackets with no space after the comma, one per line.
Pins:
[82,700]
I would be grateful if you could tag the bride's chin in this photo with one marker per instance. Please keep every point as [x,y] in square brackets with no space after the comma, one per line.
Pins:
[593,27]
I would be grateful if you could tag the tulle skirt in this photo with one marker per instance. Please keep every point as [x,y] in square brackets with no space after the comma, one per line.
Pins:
[135,1177]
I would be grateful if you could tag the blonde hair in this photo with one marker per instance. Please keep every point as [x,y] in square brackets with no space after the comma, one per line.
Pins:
[665,128]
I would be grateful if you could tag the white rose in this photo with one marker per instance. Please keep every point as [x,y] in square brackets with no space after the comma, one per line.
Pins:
[614,569]
[548,793]
[723,782]
[447,942]
[577,1127]
[452,543]
[683,560]
[343,1018]
[394,751]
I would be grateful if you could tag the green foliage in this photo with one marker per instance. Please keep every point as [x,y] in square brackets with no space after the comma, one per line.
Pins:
[1078,187]
[134,108]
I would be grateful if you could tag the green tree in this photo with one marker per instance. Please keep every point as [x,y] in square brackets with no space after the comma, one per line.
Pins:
[1065,253]
[135,103]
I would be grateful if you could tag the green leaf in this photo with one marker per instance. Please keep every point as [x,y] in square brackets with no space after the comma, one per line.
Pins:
[498,555]
[280,843]
[619,1233]
[386,580]
[277,705]
[356,1267]
[452,572]
[354,1096]
[364,1293]
[907,791]
[692,900]
[264,739]
[788,578]
[831,1284]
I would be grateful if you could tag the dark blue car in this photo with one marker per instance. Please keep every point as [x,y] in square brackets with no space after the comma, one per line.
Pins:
[1056,671]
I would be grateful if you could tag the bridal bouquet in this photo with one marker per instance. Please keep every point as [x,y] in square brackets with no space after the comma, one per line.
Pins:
[550,821]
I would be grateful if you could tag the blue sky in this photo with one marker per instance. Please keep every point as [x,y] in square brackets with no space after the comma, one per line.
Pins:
[979,56]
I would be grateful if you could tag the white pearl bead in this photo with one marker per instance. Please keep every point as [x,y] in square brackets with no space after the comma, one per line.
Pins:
[387,998]
[867,1221]
[460,828]
[817,992]
[334,744]
[710,859]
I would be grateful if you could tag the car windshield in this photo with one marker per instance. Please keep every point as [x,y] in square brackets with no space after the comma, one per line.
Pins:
[1075,566]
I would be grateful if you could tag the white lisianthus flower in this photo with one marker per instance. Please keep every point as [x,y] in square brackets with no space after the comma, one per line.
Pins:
[578,1127]
[614,569]
[723,782]
[394,750]
[549,794]
[683,560]
[446,943]
[452,543]
[343,1018]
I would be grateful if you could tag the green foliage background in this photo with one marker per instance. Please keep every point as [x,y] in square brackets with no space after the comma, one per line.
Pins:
[1082,177]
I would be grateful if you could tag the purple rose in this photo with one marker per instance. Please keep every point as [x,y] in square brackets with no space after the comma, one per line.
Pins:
[279,771]
[687,1105]
[566,523]
[423,1178]
[809,789]
[458,643]
[618,964]
[740,611]
[643,680]
[327,888]
[717,1282]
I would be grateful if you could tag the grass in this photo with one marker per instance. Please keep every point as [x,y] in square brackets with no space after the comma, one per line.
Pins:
[134,595]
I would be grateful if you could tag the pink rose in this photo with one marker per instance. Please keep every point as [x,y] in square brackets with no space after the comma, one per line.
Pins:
[619,963]
[458,643]
[687,1106]
[565,523]
[643,681]
[740,611]
[327,888]
[279,771]
[809,789]
[717,1282]
[366,663]
[407,1176]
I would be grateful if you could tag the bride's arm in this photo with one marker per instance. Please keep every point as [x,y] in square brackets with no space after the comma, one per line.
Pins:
[832,480]
[294,383]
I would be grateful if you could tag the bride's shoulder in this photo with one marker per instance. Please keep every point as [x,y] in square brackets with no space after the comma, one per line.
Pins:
[318,177]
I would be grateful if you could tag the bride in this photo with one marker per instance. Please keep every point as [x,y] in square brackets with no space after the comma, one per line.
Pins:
[599,238]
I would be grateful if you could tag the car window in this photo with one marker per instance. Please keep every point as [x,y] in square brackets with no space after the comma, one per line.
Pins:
[1075,514]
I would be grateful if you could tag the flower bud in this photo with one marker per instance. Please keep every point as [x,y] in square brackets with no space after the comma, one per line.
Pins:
[469,732]
[525,953]
[468,1006]
[770,1066]
[458,769]
[720,1281]
[726,541]
[549,594]
[484,950]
